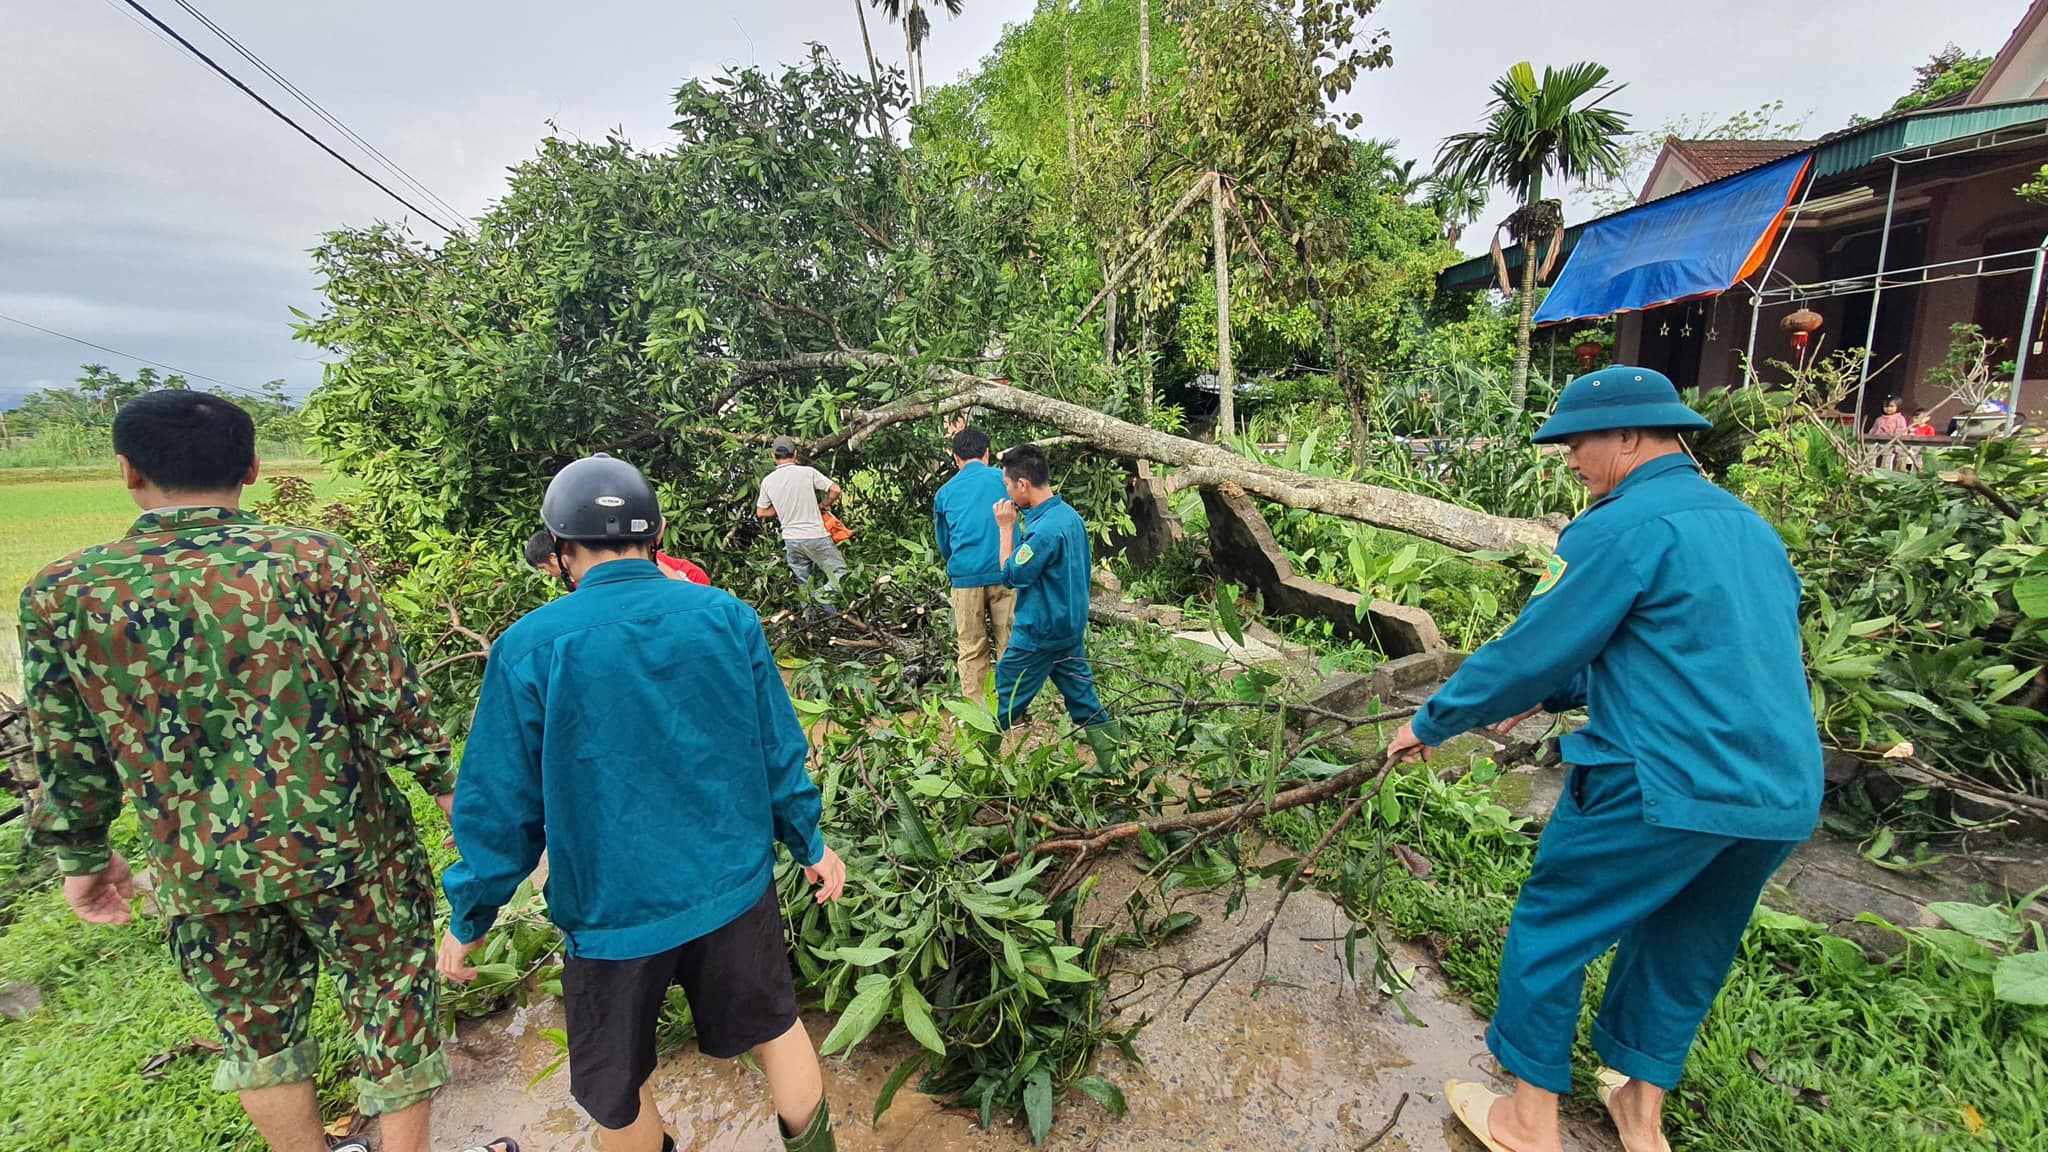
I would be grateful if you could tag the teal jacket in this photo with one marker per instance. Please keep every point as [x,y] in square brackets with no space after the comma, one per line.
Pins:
[1671,614]
[1049,570]
[640,731]
[964,524]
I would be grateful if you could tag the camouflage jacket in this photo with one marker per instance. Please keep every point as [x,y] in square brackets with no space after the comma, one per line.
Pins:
[246,688]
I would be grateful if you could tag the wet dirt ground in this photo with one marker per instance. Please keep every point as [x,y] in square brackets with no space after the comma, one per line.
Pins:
[1305,1059]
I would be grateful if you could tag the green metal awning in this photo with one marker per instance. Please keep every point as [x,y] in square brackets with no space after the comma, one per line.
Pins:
[1856,147]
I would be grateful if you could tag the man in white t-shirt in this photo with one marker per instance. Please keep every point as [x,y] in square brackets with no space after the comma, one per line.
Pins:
[791,494]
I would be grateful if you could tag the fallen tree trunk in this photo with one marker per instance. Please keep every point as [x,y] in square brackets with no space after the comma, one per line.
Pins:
[1199,464]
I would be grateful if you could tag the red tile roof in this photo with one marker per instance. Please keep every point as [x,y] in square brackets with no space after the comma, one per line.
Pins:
[1714,159]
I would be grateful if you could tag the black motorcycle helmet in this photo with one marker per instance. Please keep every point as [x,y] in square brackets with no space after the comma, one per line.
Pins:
[600,500]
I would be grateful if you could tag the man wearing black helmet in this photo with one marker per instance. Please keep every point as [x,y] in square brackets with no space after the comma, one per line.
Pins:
[640,732]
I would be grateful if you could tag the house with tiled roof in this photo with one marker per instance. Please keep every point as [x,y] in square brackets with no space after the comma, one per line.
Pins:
[1889,232]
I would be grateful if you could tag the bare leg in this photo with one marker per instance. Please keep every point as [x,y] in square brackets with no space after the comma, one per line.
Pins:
[643,1134]
[795,1082]
[406,1130]
[288,1116]
[1527,1120]
[1638,1111]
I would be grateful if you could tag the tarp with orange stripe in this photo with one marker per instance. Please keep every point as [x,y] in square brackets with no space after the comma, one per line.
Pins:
[1699,242]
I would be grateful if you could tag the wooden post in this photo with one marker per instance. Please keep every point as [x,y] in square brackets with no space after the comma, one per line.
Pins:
[1226,376]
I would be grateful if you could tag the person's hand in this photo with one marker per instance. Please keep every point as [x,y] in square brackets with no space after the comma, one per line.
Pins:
[1406,746]
[1006,513]
[829,874]
[1507,726]
[102,897]
[447,802]
[453,959]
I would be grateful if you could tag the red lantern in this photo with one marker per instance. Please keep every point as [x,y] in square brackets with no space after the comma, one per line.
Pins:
[1588,351]
[1802,325]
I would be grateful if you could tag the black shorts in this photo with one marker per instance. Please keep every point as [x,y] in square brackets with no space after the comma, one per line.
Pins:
[741,996]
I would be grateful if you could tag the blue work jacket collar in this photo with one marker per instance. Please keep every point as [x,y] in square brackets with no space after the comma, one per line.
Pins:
[617,571]
[1654,468]
[1037,510]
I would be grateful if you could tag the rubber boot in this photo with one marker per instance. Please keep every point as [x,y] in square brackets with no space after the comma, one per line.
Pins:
[1106,738]
[817,1137]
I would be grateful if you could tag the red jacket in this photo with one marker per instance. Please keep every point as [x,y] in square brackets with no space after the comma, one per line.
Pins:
[677,568]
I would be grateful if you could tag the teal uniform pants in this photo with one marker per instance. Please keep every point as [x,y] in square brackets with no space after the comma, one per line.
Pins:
[1674,904]
[1023,671]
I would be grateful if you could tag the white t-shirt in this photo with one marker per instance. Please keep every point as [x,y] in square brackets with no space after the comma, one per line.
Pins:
[792,490]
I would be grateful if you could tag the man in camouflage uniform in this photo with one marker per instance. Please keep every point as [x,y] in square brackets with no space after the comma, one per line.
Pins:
[244,686]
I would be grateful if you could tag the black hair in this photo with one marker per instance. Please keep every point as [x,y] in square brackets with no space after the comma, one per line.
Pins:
[186,441]
[1027,462]
[540,548]
[970,444]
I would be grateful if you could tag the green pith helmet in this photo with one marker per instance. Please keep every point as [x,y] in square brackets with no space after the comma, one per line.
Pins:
[599,499]
[1618,397]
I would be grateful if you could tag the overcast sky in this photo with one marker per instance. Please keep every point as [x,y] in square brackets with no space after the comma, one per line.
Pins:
[148,206]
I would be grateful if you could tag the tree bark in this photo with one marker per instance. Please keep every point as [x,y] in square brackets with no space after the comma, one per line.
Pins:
[1226,375]
[910,55]
[1108,319]
[1145,60]
[1198,464]
[860,9]
[1073,129]
[1518,393]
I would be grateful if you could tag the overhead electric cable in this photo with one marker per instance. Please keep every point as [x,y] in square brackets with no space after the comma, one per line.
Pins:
[314,106]
[274,111]
[130,356]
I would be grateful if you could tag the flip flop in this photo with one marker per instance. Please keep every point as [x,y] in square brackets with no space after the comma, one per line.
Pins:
[1472,1103]
[1606,1081]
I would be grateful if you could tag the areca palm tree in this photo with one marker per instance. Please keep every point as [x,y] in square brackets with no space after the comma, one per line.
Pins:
[1456,202]
[1557,127]
[917,28]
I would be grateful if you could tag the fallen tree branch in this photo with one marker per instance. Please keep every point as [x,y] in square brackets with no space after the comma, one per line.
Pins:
[1223,964]
[1205,464]
[1967,478]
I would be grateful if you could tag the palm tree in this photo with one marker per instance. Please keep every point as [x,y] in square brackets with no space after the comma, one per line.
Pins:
[917,28]
[1455,202]
[1531,130]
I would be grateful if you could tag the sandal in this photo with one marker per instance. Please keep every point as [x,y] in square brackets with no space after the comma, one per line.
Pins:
[1473,1103]
[1605,1083]
[501,1144]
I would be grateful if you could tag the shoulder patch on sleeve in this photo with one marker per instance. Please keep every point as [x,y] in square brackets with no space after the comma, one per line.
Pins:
[1551,575]
[1023,555]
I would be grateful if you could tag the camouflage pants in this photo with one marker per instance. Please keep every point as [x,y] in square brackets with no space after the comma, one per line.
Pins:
[256,969]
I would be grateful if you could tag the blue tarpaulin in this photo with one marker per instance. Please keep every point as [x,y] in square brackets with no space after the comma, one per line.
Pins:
[1696,243]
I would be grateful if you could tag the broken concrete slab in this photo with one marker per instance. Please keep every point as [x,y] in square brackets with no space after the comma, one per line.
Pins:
[1242,547]
[1155,530]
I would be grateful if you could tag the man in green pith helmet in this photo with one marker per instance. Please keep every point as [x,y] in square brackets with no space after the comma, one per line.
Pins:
[1050,568]
[640,732]
[1671,615]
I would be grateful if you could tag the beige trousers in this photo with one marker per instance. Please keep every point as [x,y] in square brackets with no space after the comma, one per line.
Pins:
[982,616]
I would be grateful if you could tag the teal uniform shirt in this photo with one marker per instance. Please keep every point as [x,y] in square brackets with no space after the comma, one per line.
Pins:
[640,731]
[1671,614]
[1049,570]
[964,524]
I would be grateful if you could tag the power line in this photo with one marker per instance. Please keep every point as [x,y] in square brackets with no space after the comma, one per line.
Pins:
[273,110]
[131,356]
[314,106]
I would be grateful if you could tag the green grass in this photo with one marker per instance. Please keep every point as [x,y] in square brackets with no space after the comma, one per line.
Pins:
[70,1074]
[56,512]
[1906,1055]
